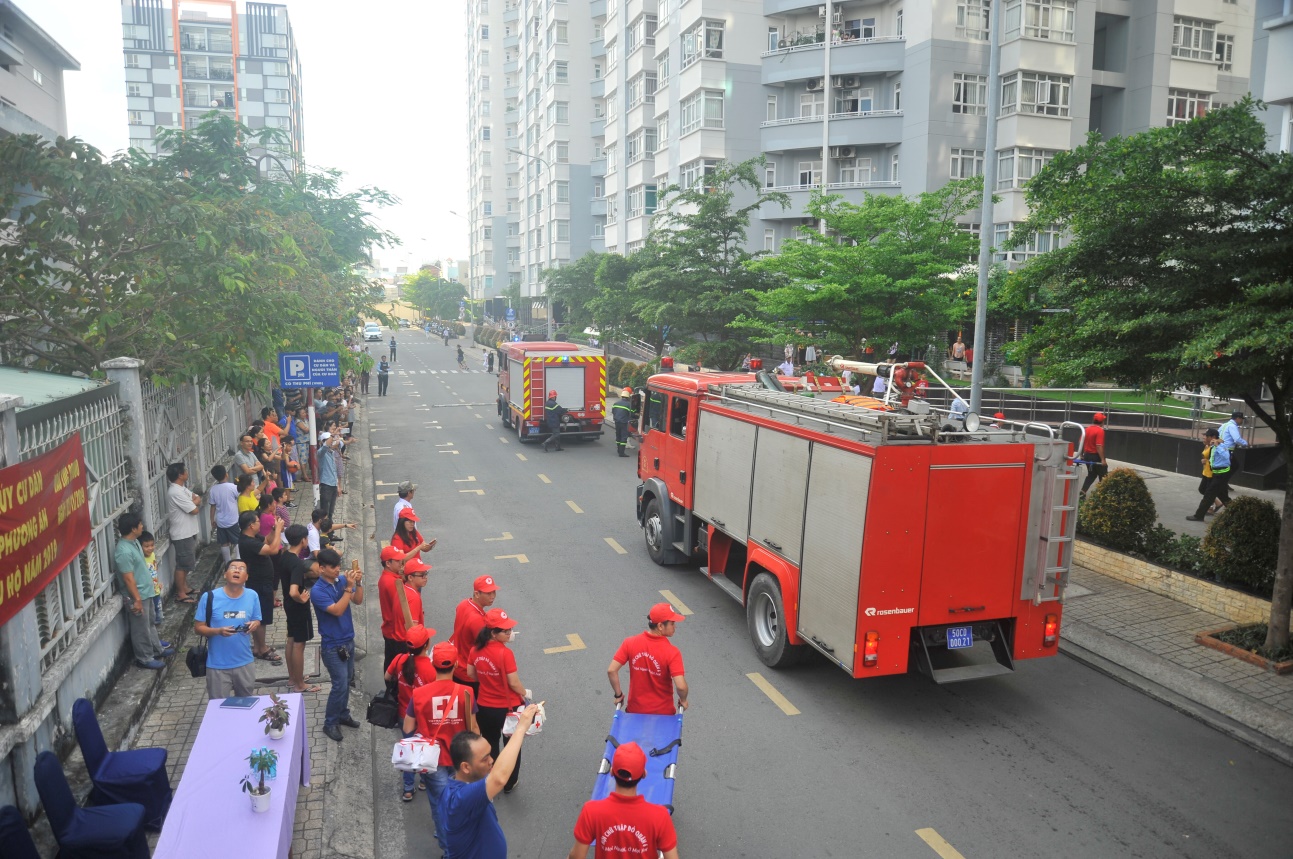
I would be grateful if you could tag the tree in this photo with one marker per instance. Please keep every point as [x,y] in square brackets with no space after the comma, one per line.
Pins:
[193,261]
[434,296]
[884,274]
[575,287]
[693,280]
[1179,272]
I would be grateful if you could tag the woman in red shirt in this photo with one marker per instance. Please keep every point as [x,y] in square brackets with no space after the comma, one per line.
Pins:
[411,671]
[492,665]
[407,538]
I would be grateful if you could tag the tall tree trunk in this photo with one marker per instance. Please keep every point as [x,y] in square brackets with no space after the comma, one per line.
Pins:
[1277,633]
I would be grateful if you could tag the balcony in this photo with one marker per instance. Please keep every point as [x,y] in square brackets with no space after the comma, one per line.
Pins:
[512,13]
[848,57]
[597,9]
[597,128]
[781,7]
[597,206]
[869,128]
[852,192]
[598,88]
[10,53]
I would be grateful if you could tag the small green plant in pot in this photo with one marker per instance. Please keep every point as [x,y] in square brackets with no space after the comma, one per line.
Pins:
[276,717]
[262,762]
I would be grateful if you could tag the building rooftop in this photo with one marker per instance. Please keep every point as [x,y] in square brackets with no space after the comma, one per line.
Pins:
[38,388]
[9,9]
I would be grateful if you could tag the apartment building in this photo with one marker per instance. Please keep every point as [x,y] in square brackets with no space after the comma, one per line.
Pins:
[185,58]
[1273,70]
[31,76]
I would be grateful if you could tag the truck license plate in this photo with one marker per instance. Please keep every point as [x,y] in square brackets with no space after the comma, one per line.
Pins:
[959,637]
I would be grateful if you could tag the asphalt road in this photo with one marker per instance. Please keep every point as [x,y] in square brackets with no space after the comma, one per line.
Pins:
[1054,760]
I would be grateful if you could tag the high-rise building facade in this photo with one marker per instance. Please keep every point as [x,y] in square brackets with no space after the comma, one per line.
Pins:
[1273,70]
[186,58]
[31,77]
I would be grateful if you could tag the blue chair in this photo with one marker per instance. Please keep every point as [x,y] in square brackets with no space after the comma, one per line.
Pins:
[15,837]
[105,832]
[133,776]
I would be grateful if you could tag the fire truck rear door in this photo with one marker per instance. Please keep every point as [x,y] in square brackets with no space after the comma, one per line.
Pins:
[780,487]
[839,484]
[723,470]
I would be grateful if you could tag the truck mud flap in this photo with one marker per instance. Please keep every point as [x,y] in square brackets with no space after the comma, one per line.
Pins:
[988,657]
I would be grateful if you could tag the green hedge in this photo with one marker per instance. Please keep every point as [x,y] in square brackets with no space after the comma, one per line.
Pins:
[1119,512]
[1242,543]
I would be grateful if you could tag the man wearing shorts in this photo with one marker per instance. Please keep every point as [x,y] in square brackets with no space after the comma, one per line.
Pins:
[298,576]
[182,517]
[257,553]
[223,498]
[235,612]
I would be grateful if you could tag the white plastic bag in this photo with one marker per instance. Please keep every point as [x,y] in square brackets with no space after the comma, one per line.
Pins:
[415,754]
[514,719]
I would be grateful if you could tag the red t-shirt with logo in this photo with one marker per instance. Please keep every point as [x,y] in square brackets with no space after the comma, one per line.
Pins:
[653,662]
[493,663]
[388,599]
[468,621]
[423,673]
[1094,436]
[440,709]
[626,826]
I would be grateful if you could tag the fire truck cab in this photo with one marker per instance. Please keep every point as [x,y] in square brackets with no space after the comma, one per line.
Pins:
[882,538]
[527,371]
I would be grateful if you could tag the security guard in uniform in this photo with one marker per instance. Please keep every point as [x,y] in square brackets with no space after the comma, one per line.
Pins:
[552,413]
[622,412]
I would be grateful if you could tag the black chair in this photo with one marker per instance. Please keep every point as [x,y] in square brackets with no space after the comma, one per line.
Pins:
[132,776]
[15,837]
[105,832]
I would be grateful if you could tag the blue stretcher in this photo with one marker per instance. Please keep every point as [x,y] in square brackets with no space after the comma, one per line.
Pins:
[660,737]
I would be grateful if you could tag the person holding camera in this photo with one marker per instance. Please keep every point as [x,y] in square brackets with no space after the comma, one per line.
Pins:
[226,617]
[332,597]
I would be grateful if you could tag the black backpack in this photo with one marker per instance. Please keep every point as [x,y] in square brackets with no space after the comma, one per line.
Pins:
[196,658]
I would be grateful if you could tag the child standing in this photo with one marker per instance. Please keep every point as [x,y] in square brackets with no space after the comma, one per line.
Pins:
[148,544]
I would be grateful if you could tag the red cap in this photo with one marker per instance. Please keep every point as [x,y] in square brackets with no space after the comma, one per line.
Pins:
[484,584]
[418,636]
[390,553]
[661,612]
[416,565]
[552,395]
[999,416]
[629,762]
[1099,417]
[407,513]
[444,655]
[496,618]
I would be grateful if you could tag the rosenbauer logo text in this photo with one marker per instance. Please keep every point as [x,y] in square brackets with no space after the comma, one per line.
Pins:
[872,611]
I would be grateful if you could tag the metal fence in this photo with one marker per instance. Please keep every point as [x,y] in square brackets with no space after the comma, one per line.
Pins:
[170,427]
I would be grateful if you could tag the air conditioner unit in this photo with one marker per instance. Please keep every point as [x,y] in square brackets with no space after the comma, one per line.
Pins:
[850,81]
[815,84]
[783,43]
[843,151]
[821,11]
[838,17]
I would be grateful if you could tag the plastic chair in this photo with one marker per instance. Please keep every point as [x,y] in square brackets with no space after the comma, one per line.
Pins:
[105,832]
[132,776]
[15,837]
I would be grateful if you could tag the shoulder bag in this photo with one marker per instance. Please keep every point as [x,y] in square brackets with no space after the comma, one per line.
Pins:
[196,658]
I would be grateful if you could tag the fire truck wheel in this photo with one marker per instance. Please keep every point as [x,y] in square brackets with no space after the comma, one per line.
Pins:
[765,615]
[653,529]
[507,416]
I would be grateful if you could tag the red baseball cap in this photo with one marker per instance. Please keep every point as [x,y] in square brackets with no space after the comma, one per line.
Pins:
[999,416]
[407,513]
[662,612]
[390,553]
[418,636]
[416,565]
[444,655]
[1099,417]
[496,618]
[629,762]
[484,584]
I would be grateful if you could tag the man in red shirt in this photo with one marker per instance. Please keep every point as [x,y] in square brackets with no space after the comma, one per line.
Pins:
[655,665]
[439,711]
[468,621]
[625,824]
[388,597]
[1093,452]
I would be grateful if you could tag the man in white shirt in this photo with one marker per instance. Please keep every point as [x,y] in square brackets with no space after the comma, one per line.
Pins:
[406,490]
[182,517]
[785,368]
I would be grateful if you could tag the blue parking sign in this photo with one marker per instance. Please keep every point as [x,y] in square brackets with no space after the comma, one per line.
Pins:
[309,369]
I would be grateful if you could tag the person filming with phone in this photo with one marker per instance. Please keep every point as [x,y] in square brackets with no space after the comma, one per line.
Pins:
[332,597]
[227,616]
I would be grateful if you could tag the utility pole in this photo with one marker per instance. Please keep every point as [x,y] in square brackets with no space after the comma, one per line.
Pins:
[547,301]
[986,228]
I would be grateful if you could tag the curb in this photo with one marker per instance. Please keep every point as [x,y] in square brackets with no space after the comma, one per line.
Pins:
[1267,729]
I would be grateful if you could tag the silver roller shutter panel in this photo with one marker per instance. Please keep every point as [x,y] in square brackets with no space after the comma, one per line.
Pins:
[777,506]
[830,575]
[724,468]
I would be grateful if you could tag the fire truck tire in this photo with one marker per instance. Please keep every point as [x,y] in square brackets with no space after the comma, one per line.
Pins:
[653,530]
[765,615]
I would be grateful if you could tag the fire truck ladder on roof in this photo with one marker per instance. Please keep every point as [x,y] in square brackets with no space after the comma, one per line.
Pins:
[789,404]
[1060,503]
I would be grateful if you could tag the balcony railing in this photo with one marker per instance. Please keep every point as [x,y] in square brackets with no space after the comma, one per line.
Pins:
[806,43]
[837,186]
[795,120]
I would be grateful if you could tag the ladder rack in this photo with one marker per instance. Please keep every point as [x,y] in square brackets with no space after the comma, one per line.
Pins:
[791,404]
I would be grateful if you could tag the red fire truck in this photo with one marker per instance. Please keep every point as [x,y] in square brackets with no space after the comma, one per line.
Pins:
[527,371]
[884,538]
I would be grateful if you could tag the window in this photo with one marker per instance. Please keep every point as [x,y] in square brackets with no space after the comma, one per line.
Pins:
[282,96]
[135,117]
[657,405]
[1016,166]
[563,152]
[611,153]
[774,38]
[897,24]
[487,232]
[771,113]
[812,103]
[769,175]
[704,39]
[612,209]
[487,183]
[810,173]
[488,208]
[703,109]
[641,201]
[37,76]
[640,32]
[484,58]
[972,19]
[1225,52]
[678,418]
[641,144]
[484,32]
[897,95]
[563,33]
[597,71]
[1030,92]
[280,69]
[1040,242]
[612,55]
[691,173]
[134,91]
[484,108]
[484,82]
[484,132]
[563,231]
[853,171]
[1183,105]
[563,112]
[561,72]
[562,193]
[136,61]
[969,94]
[769,240]
[893,167]
[641,89]
[1192,39]
[140,142]
[967,163]
[662,66]
[662,129]
[854,100]
[1041,19]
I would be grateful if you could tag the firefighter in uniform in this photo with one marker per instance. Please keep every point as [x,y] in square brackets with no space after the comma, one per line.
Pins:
[552,413]
[622,412]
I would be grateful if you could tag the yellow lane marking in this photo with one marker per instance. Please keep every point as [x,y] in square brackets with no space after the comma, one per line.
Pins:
[377,429]
[476,491]
[468,479]
[544,477]
[502,439]
[520,559]
[384,495]
[573,506]
[576,643]
[489,426]
[454,452]
[446,444]
[521,457]
[619,550]
[676,603]
[381,447]
[938,844]
[383,483]
[379,455]
[771,691]
[507,535]
[475,415]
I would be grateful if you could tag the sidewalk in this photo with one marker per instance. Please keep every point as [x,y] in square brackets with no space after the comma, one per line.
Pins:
[1147,641]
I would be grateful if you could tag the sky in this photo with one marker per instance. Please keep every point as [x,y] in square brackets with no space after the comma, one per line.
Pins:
[384,86]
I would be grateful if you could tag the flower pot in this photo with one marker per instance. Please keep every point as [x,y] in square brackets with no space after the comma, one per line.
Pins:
[260,801]
[277,733]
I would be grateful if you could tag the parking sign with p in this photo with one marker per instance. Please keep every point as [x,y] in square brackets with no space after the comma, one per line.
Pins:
[309,369]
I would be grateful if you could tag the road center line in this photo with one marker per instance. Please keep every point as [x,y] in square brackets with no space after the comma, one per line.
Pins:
[938,844]
[573,506]
[676,603]
[507,535]
[777,698]
[576,643]
[619,550]
[521,457]
[542,477]
[520,559]
[503,439]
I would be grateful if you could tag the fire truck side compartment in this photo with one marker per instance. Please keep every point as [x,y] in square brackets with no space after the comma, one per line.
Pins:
[724,473]
[781,481]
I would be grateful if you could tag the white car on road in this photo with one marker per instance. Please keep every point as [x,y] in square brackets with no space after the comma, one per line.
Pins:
[372,331]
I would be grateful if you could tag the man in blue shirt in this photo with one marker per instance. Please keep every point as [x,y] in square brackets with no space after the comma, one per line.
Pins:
[1231,434]
[235,615]
[332,596]
[471,829]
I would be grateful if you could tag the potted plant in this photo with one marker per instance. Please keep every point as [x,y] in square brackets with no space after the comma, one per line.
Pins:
[262,762]
[276,717]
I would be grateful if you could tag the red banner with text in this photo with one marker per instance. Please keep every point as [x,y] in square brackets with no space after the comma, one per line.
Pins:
[44,522]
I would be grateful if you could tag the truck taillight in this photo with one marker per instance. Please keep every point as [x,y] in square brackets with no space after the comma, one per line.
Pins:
[756,364]
[871,650]
[1050,630]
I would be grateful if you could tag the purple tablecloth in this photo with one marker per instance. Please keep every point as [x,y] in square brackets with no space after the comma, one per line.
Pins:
[211,816]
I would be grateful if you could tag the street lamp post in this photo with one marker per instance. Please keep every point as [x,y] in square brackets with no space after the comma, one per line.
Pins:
[986,228]
[547,301]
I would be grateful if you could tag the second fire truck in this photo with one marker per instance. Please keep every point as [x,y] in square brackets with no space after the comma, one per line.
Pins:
[527,371]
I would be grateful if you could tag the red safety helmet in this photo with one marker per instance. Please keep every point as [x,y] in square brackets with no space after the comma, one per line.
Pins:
[552,395]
